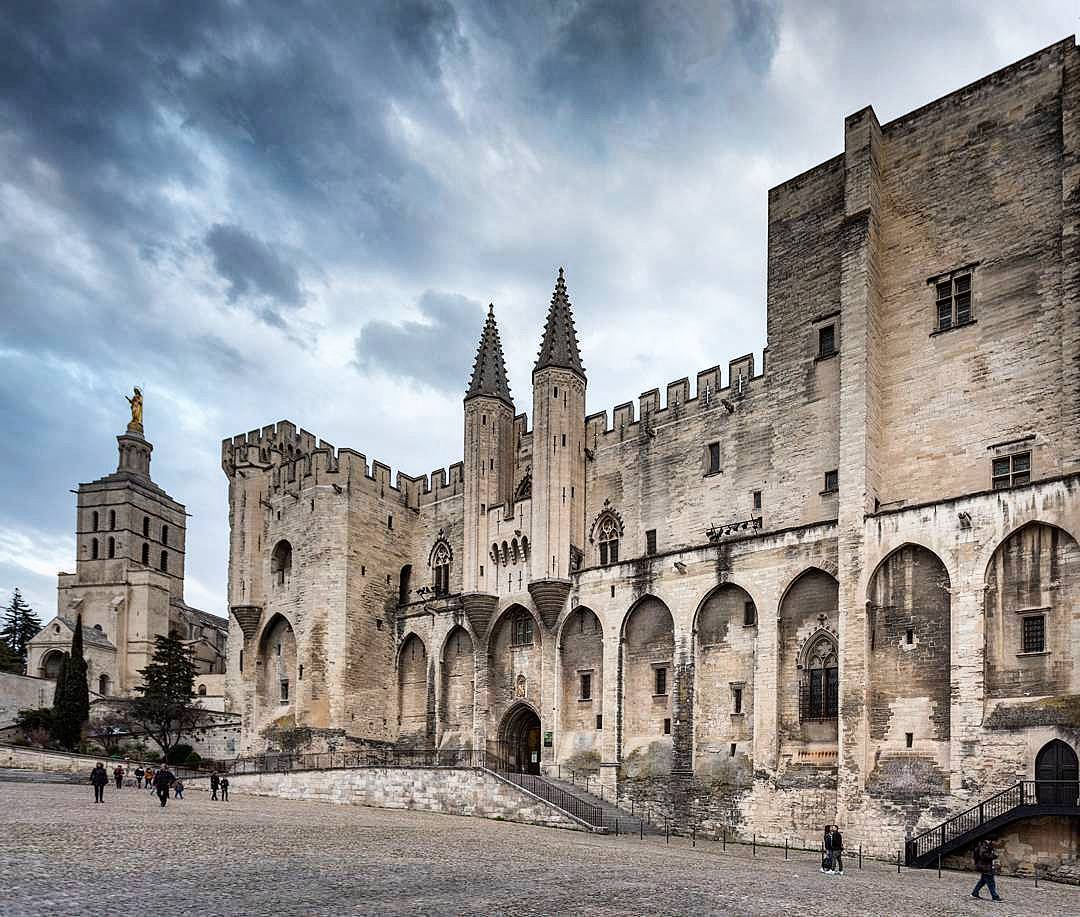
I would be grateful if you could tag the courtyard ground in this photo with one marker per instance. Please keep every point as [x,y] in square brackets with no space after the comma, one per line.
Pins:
[61,854]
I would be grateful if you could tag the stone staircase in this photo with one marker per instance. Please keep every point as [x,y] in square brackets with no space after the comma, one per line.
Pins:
[629,823]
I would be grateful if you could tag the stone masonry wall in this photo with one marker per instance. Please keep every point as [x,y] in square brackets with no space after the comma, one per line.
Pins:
[452,791]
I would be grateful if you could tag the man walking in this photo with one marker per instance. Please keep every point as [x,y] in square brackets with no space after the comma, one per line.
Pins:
[215,782]
[138,777]
[834,848]
[224,789]
[118,775]
[99,777]
[163,779]
[984,863]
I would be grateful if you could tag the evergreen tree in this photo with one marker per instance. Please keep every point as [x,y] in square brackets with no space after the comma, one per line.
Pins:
[10,661]
[164,708]
[71,702]
[20,626]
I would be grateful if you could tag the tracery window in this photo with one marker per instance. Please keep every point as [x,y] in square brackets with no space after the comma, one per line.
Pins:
[440,565]
[820,686]
[608,537]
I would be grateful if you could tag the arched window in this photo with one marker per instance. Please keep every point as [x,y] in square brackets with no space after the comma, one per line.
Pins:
[112,520]
[819,694]
[607,535]
[95,520]
[94,549]
[440,564]
[164,534]
[164,561]
[112,547]
[514,551]
[505,554]
[202,690]
[403,584]
[50,665]
[146,527]
[281,563]
[524,548]
[146,554]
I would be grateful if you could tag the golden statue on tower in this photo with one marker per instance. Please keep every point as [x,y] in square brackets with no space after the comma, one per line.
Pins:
[136,410]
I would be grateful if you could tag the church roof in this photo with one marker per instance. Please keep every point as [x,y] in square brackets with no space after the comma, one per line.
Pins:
[92,636]
[489,368]
[559,346]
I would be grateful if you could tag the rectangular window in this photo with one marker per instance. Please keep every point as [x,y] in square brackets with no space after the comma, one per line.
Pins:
[832,481]
[390,522]
[731,750]
[667,726]
[909,739]
[757,499]
[599,721]
[284,691]
[522,633]
[1033,634]
[613,592]
[736,700]
[909,637]
[1011,470]
[953,298]
[650,541]
[749,618]
[586,686]
[714,458]
[564,439]
[661,681]
[826,341]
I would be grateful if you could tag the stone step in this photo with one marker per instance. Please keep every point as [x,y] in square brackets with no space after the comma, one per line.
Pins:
[627,820]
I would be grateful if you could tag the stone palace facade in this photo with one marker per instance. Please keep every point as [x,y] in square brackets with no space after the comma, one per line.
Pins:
[841,584]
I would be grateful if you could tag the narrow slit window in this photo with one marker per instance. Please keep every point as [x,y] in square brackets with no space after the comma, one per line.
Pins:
[736,700]
[713,459]
[660,681]
[827,341]
[667,726]
[586,686]
[650,542]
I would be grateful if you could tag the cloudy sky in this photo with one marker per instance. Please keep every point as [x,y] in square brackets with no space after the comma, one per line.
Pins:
[298,210]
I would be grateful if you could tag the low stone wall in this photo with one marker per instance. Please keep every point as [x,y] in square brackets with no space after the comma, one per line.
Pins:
[23,692]
[449,790]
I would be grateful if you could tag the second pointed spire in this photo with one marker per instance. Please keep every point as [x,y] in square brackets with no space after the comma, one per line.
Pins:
[489,368]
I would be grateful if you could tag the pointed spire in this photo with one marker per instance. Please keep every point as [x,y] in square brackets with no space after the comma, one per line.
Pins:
[489,368]
[559,346]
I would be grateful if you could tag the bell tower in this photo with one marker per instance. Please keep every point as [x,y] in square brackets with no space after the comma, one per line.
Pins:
[558,514]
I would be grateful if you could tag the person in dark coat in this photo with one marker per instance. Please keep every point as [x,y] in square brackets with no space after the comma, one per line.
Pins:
[163,779]
[224,789]
[118,775]
[178,789]
[834,847]
[215,782]
[138,777]
[99,777]
[984,863]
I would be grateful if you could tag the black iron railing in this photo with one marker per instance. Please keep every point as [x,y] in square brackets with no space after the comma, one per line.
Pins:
[1026,795]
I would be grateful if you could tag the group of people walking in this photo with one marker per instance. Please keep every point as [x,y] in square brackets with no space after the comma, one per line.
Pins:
[161,781]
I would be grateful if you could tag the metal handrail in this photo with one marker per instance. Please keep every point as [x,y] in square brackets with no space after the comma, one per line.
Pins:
[1025,793]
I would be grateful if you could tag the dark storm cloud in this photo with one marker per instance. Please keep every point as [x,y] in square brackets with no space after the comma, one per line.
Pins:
[252,266]
[436,351]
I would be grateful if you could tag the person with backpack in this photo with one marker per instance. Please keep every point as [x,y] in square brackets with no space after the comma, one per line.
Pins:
[99,777]
[215,782]
[138,777]
[984,863]
[834,849]
[118,775]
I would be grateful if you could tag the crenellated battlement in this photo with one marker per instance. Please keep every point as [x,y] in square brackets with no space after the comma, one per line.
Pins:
[295,459]
[709,394]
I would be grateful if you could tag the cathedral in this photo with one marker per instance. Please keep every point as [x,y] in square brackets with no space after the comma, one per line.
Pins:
[841,584]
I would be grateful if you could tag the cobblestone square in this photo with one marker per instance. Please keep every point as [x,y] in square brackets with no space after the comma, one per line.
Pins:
[62,855]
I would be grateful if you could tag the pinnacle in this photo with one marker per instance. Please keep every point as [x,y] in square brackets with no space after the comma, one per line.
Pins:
[489,367]
[559,346]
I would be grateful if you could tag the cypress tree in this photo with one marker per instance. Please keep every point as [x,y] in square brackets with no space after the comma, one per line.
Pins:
[71,702]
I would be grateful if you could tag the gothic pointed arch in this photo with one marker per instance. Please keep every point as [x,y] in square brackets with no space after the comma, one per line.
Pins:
[276,662]
[413,692]
[457,689]
[581,689]
[514,660]
[605,532]
[647,687]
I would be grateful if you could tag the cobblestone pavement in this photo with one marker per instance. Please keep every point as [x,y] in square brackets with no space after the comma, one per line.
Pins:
[61,854]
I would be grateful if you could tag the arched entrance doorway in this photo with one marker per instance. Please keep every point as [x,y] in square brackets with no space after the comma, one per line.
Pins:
[519,740]
[1057,764]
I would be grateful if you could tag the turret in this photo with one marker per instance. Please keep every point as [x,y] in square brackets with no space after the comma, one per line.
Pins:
[558,492]
[489,454]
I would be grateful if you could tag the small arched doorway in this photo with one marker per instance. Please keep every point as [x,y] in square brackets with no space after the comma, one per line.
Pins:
[519,740]
[1056,764]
